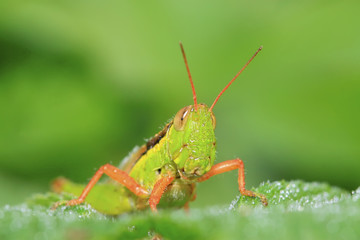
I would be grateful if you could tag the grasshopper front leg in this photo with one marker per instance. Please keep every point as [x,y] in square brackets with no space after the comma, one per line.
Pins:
[115,174]
[158,191]
[232,165]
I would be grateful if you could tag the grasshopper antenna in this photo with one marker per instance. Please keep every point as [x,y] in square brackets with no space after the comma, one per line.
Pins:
[190,78]
[217,98]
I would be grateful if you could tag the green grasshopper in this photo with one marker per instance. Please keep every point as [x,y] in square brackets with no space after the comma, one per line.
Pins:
[164,171]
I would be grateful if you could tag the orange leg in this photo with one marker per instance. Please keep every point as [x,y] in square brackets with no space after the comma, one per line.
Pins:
[186,207]
[232,165]
[115,174]
[159,190]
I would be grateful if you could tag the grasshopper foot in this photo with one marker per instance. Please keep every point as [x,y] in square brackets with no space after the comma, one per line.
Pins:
[263,199]
[71,202]
[249,193]
[58,204]
[74,202]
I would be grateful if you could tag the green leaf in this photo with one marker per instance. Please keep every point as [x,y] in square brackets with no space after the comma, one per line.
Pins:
[296,210]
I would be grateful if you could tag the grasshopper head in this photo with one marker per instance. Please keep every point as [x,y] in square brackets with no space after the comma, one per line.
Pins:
[193,147]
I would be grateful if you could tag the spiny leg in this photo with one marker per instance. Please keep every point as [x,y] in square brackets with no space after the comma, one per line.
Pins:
[115,174]
[159,190]
[232,165]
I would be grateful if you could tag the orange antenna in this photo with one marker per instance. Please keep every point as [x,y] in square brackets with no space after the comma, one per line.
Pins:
[190,78]
[217,98]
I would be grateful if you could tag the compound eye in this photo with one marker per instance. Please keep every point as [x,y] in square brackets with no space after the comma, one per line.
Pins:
[181,118]
[213,120]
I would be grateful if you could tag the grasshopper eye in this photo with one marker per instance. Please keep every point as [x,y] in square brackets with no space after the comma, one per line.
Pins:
[181,118]
[213,120]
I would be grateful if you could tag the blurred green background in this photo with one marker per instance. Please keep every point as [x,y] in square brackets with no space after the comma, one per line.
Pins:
[83,82]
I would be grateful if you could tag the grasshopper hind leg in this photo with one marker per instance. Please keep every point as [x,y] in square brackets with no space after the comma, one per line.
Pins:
[114,173]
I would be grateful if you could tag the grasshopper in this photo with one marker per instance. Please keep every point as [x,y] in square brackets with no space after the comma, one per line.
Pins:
[164,171]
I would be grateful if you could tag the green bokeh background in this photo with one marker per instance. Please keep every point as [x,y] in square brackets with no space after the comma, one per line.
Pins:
[83,82]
